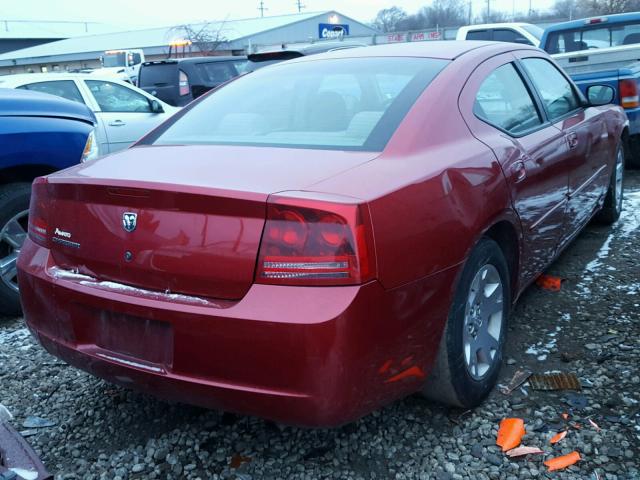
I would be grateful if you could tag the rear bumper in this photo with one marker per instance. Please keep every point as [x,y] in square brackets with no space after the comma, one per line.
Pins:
[316,356]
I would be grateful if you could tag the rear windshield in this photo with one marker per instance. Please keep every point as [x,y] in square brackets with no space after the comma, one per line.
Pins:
[590,37]
[158,73]
[346,104]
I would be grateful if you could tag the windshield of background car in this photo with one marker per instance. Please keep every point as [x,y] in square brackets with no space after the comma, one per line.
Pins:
[113,60]
[590,38]
[345,104]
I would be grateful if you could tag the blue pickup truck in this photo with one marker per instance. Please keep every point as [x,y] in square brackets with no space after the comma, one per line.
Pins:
[39,134]
[603,50]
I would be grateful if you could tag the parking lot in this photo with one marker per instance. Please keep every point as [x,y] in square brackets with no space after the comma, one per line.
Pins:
[591,327]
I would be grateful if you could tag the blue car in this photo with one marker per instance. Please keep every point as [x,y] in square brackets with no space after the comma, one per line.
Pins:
[603,51]
[39,134]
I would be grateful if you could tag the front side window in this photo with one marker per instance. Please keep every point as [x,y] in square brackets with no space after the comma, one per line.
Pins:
[504,101]
[112,97]
[557,94]
[506,35]
[347,104]
[60,88]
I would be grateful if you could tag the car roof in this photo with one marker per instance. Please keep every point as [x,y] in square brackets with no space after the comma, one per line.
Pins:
[584,22]
[214,58]
[495,25]
[53,76]
[28,103]
[443,49]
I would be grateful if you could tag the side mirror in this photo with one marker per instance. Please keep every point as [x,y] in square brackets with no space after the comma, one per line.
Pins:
[600,95]
[156,107]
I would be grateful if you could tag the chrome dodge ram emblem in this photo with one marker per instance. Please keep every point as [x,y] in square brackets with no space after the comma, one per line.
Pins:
[129,221]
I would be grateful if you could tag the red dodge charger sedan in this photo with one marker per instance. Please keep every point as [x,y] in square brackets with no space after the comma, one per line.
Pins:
[323,236]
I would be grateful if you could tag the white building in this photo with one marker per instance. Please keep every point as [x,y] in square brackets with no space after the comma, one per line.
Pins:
[238,37]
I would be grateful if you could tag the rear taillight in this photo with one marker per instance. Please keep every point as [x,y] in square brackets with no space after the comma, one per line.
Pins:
[183,83]
[315,244]
[39,229]
[629,93]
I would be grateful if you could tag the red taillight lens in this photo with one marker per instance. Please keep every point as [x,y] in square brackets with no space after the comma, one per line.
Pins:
[629,93]
[39,230]
[314,246]
[183,83]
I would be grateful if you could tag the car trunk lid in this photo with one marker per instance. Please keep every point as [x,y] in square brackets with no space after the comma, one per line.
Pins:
[184,220]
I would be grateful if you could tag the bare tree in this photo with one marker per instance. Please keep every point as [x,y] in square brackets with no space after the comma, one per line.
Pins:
[387,19]
[205,37]
[607,7]
[445,13]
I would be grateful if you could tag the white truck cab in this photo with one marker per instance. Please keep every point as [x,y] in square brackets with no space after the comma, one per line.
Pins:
[121,64]
[523,33]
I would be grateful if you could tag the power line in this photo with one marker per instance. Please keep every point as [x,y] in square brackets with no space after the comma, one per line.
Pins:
[262,8]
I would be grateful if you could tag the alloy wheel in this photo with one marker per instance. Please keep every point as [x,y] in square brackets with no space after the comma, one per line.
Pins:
[619,176]
[483,322]
[12,236]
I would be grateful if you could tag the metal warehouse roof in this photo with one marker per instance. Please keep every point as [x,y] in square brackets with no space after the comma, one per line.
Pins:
[152,37]
[27,29]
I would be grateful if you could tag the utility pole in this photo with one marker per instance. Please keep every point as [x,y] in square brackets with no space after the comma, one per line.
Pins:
[488,10]
[470,11]
[262,8]
[299,5]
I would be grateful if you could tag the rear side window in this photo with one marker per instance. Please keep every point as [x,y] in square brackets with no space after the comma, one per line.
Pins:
[504,101]
[308,105]
[60,88]
[601,35]
[479,35]
[160,74]
[557,94]
[216,72]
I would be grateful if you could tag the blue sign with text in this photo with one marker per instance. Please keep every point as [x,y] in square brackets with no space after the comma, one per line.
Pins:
[333,30]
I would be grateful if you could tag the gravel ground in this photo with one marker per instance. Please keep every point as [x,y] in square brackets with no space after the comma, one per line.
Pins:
[591,327]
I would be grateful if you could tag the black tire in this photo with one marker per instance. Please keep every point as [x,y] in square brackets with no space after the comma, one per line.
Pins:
[632,152]
[14,199]
[612,207]
[450,381]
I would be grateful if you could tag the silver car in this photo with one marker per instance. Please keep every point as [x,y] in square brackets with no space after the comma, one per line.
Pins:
[125,113]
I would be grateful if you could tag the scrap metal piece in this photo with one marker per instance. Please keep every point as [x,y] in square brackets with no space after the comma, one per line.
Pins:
[16,456]
[518,379]
[555,381]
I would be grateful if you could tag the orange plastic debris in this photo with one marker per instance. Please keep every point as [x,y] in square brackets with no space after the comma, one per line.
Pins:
[558,436]
[409,372]
[238,460]
[386,366]
[510,433]
[564,461]
[565,416]
[520,451]
[549,282]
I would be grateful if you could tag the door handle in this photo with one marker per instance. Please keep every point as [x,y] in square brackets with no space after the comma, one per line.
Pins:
[519,171]
[117,123]
[572,139]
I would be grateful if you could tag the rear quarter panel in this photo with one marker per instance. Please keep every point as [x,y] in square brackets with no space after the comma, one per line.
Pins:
[435,189]
[53,142]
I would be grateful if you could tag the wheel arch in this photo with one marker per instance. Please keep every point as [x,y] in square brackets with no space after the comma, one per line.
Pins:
[505,234]
[24,173]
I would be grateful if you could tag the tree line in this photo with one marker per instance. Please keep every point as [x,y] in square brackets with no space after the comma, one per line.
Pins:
[454,13]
